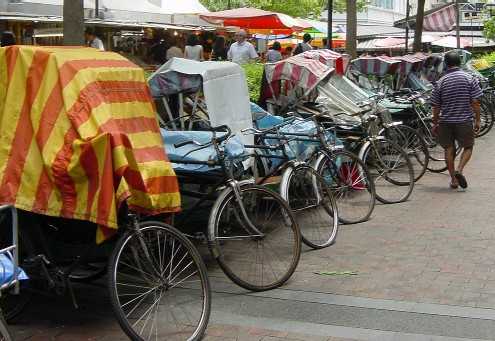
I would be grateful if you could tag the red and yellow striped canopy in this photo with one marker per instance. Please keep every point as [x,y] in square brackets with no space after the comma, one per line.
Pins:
[79,136]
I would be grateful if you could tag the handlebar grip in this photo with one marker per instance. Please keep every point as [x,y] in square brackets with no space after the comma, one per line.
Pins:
[182,144]
[222,128]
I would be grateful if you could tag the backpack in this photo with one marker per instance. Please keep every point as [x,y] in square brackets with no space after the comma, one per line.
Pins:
[298,50]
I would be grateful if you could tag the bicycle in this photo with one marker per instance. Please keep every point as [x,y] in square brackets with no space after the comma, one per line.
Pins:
[142,283]
[306,192]
[251,232]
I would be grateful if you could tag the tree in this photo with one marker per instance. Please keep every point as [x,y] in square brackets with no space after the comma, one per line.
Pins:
[295,8]
[418,32]
[351,34]
[489,28]
[74,22]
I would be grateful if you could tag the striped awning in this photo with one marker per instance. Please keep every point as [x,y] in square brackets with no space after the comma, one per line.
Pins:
[79,136]
[442,20]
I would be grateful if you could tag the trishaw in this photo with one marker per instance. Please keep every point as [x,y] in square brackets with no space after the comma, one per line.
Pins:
[84,163]
[251,231]
[299,86]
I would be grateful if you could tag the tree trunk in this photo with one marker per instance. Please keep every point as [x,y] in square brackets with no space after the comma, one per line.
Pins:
[418,33]
[351,35]
[74,22]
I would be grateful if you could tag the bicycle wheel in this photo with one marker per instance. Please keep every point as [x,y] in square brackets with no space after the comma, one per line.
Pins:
[391,170]
[4,329]
[313,205]
[413,144]
[351,184]
[487,117]
[436,152]
[255,260]
[159,287]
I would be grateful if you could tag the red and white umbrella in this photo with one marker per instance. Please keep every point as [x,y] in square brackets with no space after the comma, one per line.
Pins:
[390,42]
[451,42]
[257,19]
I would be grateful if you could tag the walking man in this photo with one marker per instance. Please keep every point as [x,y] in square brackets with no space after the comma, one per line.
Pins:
[456,115]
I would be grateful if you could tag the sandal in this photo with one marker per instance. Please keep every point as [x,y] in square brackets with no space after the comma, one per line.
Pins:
[461,179]
[454,185]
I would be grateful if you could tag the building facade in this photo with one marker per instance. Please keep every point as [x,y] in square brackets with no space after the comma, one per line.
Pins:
[378,12]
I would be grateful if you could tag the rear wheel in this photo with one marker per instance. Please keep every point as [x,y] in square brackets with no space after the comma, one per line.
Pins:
[158,285]
[351,183]
[313,205]
[487,116]
[413,144]
[391,170]
[260,259]
[436,152]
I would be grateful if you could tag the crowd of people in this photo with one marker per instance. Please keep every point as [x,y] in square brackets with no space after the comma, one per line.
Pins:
[238,50]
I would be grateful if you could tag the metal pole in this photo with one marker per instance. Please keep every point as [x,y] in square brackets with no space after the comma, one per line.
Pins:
[330,25]
[97,9]
[458,23]
[228,4]
[407,26]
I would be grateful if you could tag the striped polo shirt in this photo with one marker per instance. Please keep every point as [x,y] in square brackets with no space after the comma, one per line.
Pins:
[454,93]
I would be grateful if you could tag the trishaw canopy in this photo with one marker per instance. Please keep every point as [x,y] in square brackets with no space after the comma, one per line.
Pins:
[304,73]
[377,66]
[328,57]
[79,136]
[223,84]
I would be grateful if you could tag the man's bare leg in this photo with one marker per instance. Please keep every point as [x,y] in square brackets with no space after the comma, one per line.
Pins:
[450,160]
[465,157]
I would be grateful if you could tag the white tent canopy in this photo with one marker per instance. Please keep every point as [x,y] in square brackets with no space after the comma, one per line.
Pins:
[140,6]
[183,7]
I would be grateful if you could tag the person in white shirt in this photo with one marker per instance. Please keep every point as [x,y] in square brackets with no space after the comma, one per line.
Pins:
[174,51]
[193,49]
[242,51]
[92,40]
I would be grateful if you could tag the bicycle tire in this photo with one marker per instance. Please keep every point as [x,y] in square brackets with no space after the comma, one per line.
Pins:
[487,118]
[144,255]
[414,144]
[352,191]
[5,334]
[235,256]
[313,205]
[436,152]
[379,162]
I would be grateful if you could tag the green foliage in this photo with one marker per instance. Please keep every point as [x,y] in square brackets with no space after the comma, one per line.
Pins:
[254,76]
[295,8]
[489,28]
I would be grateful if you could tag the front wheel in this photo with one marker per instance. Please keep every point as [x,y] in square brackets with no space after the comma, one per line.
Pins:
[391,170]
[159,287]
[258,250]
[313,204]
